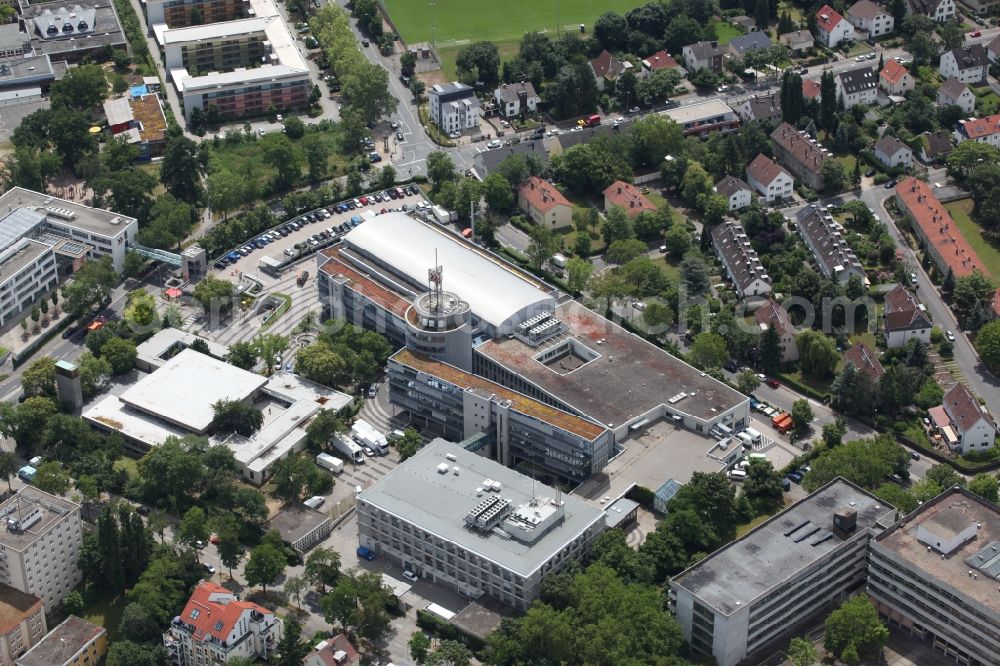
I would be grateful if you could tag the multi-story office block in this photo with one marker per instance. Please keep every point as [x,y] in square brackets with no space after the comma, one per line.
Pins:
[454,517]
[935,574]
[216,626]
[40,544]
[739,601]
[22,623]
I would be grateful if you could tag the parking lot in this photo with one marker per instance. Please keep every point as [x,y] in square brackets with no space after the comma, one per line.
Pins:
[314,229]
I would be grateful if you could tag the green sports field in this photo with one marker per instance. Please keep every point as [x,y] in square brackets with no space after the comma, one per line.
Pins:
[460,21]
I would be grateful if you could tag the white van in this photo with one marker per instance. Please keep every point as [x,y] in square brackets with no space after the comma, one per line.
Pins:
[754,435]
[315,502]
[745,438]
[738,475]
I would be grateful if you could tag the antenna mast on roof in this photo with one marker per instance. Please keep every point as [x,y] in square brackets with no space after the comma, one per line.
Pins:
[435,280]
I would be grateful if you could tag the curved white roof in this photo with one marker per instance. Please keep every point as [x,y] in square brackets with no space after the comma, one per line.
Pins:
[493,290]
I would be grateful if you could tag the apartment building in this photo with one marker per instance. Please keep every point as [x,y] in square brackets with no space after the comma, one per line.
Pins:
[627,196]
[703,118]
[939,10]
[935,575]
[742,264]
[969,64]
[870,19]
[241,67]
[457,518]
[183,13]
[702,55]
[748,597]
[760,108]
[799,153]
[544,203]
[454,106]
[75,642]
[40,545]
[736,192]
[832,28]
[857,86]
[825,239]
[941,238]
[770,180]
[904,318]
[771,314]
[22,623]
[954,92]
[984,130]
[216,626]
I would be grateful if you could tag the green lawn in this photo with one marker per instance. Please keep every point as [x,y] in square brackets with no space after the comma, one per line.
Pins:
[244,157]
[988,254]
[508,50]
[670,266]
[987,105]
[726,31]
[104,611]
[127,464]
[498,22]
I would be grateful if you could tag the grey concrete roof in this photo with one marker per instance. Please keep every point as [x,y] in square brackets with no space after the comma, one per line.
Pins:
[93,220]
[630,378]
[437,503]
[53,509]
[765,558]
[184,389]
[294,521]
[62,644]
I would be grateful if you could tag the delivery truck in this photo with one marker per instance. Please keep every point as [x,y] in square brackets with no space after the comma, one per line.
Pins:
[783,423]
[331,463]
[349,448]
[365,434]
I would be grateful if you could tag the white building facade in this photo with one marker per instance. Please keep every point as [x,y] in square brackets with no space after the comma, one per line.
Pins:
[454,107]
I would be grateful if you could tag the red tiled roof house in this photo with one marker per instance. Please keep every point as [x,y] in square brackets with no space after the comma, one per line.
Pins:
[544,203]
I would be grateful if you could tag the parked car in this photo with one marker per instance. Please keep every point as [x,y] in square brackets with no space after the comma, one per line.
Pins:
[772,382]
[143,510]
[410,576]
[950,336]
[794,476]
[209,568]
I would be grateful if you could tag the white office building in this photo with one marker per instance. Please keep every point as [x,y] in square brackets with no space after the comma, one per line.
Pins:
[454,517]
[935,575]
[40,544]
[746,598]
[454,107]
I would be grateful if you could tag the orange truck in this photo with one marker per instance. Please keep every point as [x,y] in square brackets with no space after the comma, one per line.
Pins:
[782,422]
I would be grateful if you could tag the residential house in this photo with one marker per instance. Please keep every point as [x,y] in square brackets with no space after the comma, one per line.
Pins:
[896,79]
[216,626]
[870,18]
[740,46]
[972,426]
[825,239]
[742,264]
[454,106]
[515,98]
[660,60]
[940,236]
[903,318]
[934,145]
[744,23]
[771,314]
[857,86]
[954,92]
[544,204]
[993,50]
[736,192]
[769,179]
[983,130]
[939,10]
[981,7]
[628,196]
[832,28]
[864,360]
[892,152]
[798,42]
[812,90]
[761,108]
[703,55]
[607,68]
[336,651]
[802,155]
[968,64]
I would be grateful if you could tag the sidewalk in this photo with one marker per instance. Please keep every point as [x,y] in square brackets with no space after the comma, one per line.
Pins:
[11,334]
